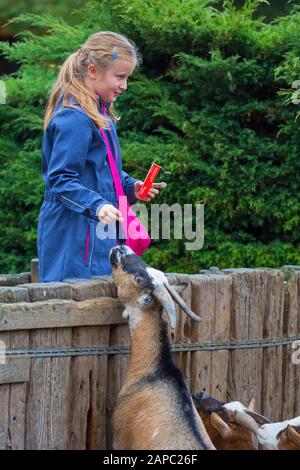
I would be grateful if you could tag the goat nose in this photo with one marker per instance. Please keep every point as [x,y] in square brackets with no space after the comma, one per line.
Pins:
[120,250]
[116,253]
[114,256]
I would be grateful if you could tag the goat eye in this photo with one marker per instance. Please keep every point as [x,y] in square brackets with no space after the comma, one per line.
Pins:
[147,299]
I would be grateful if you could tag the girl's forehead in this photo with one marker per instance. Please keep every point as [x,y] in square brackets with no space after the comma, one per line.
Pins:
[121,66]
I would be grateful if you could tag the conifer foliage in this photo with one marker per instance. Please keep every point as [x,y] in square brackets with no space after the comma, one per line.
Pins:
[215,102]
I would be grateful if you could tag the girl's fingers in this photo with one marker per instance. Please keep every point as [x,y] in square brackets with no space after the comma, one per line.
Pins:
[110,214]
[119,216]
[160,185]
[110,220]
[116,215]
[153,191]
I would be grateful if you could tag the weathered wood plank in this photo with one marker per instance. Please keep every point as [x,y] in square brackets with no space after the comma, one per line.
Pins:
[245,366]
[88,375]
[182,331]
[96,428]
[59,405]
[117,369]
[18,396]
[34,271]
[50,290]
[60,313]
[102,286]
[48,400]
[203,304]
[272,357]
[5,441]
[14,294]
[80,390]
[297,365]
[15,370]
[289,329]
[14,279]
[221,332]
[39,393]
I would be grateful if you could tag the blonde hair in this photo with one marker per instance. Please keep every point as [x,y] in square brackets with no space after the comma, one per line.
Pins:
[100,49]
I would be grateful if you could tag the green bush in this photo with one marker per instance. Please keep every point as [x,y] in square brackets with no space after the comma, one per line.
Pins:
[212,103]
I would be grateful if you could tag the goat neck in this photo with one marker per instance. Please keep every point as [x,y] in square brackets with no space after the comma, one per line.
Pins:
[150,343]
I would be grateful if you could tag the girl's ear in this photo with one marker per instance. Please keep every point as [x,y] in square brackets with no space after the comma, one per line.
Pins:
[91,71]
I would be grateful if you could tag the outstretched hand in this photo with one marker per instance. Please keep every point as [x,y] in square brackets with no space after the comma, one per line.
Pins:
[108,214]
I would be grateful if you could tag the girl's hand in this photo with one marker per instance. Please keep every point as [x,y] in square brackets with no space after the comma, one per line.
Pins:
[154,190]
[108,214]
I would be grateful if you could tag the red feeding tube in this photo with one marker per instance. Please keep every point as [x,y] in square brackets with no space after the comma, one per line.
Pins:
[152,174]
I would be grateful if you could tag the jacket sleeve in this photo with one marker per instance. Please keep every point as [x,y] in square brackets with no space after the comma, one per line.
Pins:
[128,186]
[72,134]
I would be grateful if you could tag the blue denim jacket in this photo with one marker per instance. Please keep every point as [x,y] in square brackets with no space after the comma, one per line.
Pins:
[78,183]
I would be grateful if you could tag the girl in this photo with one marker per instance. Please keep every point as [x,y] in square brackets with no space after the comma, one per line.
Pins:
[79,190]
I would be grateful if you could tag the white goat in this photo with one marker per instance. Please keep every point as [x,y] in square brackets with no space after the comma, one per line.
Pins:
[154,408]
[284,435]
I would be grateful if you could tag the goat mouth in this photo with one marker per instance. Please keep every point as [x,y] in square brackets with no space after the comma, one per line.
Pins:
[117,253]
[115,256]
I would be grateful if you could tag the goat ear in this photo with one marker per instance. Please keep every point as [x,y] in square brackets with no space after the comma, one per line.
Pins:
[180,287]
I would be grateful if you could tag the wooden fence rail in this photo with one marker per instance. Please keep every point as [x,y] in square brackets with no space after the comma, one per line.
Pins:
[59,382]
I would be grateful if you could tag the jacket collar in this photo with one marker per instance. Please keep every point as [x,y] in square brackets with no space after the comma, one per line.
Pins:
[103,104]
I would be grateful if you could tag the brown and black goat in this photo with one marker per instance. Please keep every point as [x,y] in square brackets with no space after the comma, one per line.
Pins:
[289,438]
[154,409]
[231,426]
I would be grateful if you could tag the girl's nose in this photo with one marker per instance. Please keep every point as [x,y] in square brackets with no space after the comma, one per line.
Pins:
[123,86]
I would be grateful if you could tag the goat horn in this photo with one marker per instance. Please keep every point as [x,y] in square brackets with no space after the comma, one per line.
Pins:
[220,425]
[166,301]
[260,419]
[293,436]
[251,405]
[181,303]
[246,420]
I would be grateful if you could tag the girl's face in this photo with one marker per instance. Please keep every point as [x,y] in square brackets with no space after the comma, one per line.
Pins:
[110,83]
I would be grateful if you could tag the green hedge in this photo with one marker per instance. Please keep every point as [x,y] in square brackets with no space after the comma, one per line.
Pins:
[212,103]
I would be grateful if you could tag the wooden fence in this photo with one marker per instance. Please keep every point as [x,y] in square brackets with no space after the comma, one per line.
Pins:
[59,382]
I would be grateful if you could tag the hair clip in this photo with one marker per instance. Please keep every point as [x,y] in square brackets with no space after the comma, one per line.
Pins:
[78,52]
[90,57]
[114,53]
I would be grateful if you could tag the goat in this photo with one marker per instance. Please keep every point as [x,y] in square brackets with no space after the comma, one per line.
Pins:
[284,435]
[154,408]
[230,426]
[289,438]
[233,426]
